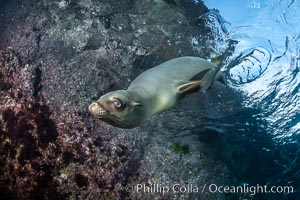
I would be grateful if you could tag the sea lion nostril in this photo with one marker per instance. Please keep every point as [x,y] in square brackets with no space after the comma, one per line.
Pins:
[93,107]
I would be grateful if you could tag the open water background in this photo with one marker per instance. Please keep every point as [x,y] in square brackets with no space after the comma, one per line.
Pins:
[268,40]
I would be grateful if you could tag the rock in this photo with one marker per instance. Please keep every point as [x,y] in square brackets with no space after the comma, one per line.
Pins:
[58,56]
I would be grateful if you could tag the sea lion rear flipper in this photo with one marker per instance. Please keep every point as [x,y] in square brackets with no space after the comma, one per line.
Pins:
[220,76]
[208,79]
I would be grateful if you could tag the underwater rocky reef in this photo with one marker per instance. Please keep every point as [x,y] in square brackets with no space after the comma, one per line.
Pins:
[57,56]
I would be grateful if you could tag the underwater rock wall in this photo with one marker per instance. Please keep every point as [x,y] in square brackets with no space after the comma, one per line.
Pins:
[58,56]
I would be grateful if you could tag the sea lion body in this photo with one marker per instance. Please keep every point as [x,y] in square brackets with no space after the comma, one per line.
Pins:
[154,91]
[158,85]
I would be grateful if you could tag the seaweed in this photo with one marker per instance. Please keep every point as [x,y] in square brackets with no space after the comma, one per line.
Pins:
[180,149]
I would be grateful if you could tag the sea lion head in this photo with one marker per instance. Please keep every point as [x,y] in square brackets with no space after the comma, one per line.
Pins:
[119,108]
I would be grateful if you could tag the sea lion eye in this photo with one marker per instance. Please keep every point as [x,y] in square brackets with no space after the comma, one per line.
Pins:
[117,103]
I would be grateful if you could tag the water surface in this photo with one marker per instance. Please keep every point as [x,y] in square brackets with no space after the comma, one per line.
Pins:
[268,40]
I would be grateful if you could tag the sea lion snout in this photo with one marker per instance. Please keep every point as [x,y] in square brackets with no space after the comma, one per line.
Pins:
[96,110]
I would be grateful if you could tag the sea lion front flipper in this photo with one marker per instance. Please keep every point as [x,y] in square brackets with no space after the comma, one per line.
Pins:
[203,84]
[188,86]
[208,79]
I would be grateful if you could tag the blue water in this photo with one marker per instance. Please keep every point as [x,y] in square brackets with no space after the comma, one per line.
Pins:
[268,45]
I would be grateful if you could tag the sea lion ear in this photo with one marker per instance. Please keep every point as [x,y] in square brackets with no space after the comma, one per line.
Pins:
[135,103]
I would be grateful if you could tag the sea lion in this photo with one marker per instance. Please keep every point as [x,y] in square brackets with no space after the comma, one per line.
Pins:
[154,91]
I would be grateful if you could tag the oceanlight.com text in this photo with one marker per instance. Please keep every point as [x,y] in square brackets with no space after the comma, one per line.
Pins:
[252,190]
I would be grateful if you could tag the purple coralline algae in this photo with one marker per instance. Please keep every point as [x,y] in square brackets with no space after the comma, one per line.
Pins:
[56,57]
